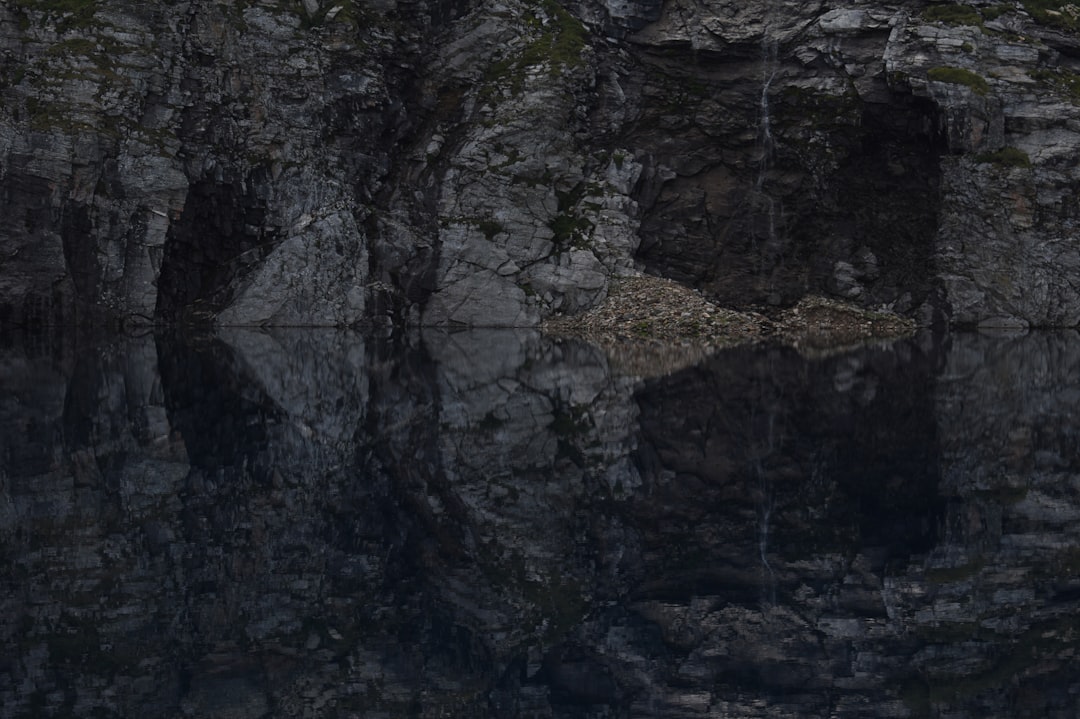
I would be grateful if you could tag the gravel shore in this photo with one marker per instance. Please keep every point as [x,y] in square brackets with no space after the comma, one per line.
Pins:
[665,324]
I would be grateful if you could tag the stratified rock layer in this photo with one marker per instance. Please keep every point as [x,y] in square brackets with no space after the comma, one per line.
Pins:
[463,163]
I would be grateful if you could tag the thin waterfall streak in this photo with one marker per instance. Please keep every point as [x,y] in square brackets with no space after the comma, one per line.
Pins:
[763,202]
[769,68]
[763,535]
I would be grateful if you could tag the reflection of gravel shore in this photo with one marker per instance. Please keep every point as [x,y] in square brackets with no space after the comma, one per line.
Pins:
[652,310]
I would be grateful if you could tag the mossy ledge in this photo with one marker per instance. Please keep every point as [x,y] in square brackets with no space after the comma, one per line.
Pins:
[1006,157]
[953,14]
[1061,14]
[960,76]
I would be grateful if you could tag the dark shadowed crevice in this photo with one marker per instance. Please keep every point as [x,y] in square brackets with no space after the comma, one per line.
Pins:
[863,232]
[444,12]
[872,239]
[80,251]
[35,289]
[843,203]
[220,235]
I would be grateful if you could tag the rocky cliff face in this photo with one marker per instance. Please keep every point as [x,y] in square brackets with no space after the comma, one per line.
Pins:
[452,162]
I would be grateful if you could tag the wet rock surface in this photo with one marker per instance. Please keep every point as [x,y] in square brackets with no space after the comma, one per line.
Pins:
[305,523]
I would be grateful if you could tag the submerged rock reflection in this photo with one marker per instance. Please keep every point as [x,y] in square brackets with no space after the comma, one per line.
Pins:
[313,523]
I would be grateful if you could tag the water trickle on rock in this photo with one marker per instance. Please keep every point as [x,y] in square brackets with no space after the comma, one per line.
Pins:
[764,239]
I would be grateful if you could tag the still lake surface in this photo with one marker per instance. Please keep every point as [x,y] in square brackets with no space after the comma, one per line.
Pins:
[494,524]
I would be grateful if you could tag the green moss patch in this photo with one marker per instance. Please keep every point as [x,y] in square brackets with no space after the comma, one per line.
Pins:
[570,230]
[1006,157]
[1062,81]
[960,76]
[993,12]
[953,14]
[490,228]
[68,14]
[75,7]
[958,14]
[1062,14]
[562,41]
[558,40]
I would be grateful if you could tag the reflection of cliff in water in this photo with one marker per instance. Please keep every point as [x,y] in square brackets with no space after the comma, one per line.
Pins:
[493,524]
[840,456]
[843,450]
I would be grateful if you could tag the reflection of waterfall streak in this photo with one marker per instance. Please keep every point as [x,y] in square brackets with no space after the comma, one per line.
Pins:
[763,538]
[768,580]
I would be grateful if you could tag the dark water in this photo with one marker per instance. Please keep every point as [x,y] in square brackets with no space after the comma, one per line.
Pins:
[488,524]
